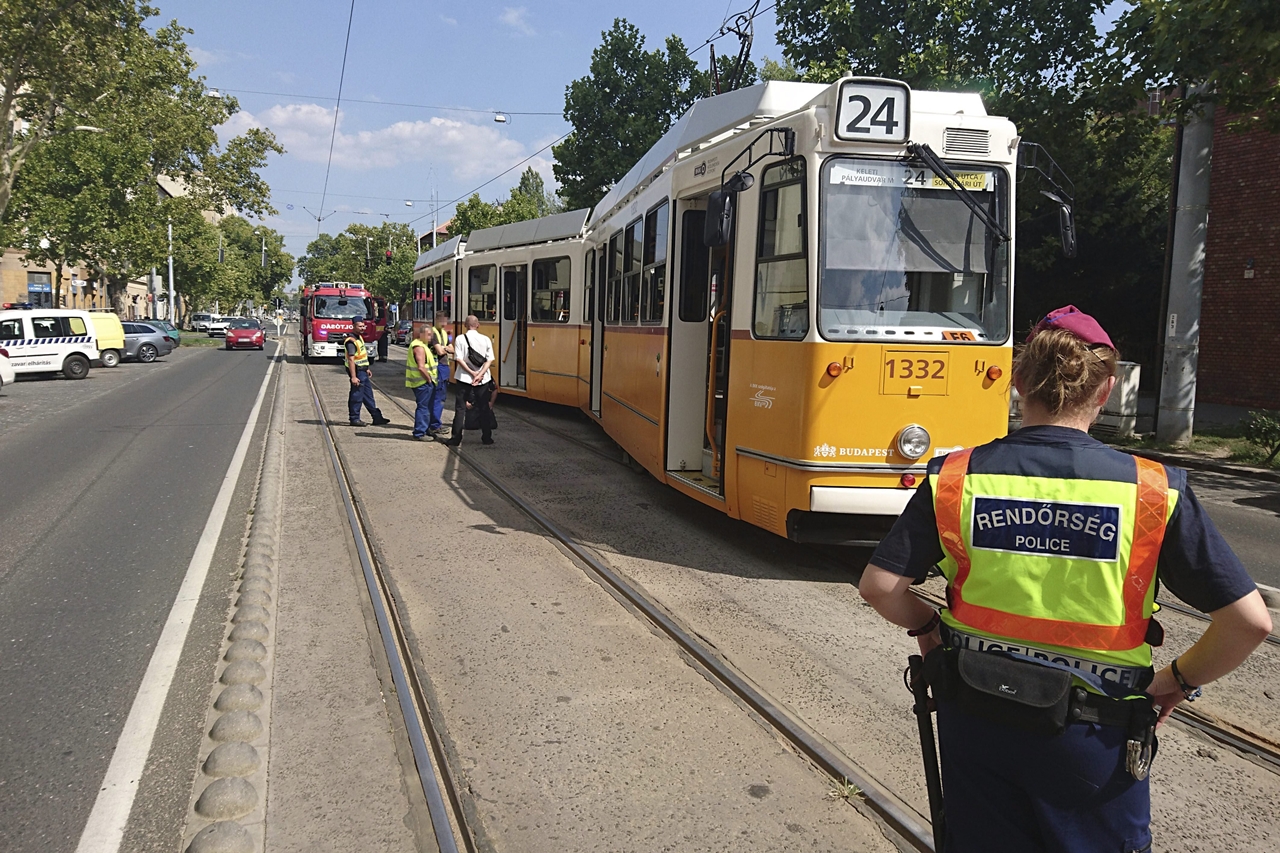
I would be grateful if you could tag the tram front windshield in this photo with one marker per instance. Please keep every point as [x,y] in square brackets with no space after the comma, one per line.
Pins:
[904,258]
[342,308]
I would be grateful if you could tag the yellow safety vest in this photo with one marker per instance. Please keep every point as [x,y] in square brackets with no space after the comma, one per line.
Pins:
[1059,565]
[442,339]
[413,377]
[362,354]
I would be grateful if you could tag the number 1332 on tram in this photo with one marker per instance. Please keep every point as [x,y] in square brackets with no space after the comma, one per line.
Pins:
[797,297]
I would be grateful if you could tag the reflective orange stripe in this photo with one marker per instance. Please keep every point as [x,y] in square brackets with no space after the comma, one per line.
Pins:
[1148,534]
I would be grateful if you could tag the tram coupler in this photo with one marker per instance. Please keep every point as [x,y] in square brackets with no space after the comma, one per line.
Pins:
[928,747]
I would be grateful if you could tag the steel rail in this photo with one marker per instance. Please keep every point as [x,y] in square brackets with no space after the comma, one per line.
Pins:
[409,693]
[899,817]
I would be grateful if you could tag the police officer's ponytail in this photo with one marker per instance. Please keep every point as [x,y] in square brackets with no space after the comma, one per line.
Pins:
[1061,372]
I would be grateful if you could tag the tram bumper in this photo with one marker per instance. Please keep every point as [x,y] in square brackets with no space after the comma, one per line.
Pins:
[847,515]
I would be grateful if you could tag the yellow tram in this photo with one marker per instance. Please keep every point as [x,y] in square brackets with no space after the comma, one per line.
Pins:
[799,295]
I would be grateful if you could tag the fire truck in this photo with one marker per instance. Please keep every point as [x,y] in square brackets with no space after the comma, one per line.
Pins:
[329,311]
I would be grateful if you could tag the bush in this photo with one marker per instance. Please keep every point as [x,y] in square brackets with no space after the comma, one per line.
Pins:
[1263,429]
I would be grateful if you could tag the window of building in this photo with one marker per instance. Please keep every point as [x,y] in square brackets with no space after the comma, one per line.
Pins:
[633,262]
[782,269]
[614,286]
[653,289]
[550,291]
[40,289]
[483,292]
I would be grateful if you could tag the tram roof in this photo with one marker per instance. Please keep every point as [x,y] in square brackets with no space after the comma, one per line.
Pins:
[446,249]
[559,226]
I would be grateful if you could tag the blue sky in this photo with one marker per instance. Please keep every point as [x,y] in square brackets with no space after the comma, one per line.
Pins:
[486,56]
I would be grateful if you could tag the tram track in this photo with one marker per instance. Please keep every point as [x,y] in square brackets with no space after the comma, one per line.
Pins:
[896,815]
[440,789]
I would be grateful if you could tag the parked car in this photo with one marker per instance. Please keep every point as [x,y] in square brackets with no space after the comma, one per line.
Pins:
[245,333]
[200,322]
[110,335]
[174,333]
[404,331]
[6,369]
[218,326]
[145,343]
[49,340]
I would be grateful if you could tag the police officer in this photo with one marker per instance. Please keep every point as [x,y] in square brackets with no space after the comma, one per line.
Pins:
[357,358]
[420,376]
[1052,544]
[443,348]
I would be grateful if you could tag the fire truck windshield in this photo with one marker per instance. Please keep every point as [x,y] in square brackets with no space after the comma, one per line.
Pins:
[342,308]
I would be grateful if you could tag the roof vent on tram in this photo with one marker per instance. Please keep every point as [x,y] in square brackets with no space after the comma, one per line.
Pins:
[962,140]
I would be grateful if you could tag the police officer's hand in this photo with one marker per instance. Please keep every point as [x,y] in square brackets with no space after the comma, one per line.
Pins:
[1166,693]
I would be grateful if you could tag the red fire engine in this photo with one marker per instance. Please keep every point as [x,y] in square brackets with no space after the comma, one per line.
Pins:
[329,312]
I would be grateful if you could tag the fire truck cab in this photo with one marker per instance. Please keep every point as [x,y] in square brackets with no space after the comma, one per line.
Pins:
[329,311]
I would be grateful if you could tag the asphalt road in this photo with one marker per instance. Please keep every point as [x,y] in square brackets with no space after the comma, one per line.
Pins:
[1247,511]
[108,485]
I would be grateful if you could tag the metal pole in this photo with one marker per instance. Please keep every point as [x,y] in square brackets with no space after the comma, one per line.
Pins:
[172,313]
[1175,416]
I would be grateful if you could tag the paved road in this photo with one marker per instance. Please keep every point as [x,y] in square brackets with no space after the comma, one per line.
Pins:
[1247,511]
[108,485]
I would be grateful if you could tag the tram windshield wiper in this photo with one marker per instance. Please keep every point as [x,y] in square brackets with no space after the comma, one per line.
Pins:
[922,152]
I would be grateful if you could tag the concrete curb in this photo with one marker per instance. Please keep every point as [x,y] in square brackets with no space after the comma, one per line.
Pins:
[1198,464]
[227,811]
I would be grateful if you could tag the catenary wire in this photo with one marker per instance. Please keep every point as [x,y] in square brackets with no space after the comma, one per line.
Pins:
[342,76]
[389,103]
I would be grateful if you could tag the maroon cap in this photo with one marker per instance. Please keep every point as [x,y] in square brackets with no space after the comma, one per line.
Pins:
[1077,323]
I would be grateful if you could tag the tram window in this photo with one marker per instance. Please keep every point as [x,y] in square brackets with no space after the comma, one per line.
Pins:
[694,270]
[631,278]
[444,308]
[602,278]
[550,291]
[653,297]
[589,294]
[614,285]
[483,292]
[782,270]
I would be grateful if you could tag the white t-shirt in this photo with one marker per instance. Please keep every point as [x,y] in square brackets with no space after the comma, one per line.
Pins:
[462,345]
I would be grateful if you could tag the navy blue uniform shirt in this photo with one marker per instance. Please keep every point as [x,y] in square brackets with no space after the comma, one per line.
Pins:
[1196,564]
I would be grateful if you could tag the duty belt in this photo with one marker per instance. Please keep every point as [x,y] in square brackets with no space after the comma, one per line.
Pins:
[1125,676]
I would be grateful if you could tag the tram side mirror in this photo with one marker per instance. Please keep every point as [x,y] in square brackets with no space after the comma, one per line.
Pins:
[719,221]
[1066,224]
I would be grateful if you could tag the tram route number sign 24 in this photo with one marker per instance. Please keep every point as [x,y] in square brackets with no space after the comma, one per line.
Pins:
[873,111]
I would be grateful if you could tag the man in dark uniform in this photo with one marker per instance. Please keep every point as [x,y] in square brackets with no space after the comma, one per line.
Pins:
[357,358]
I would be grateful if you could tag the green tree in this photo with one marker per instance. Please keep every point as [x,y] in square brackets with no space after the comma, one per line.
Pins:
[358,255]
[533,187]
[56,60]
[243,240]
[620,109]
[528,200]
[1231,47]
[784,70]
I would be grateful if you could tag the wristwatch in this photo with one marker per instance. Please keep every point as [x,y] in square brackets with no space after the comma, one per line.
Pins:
[1189,692]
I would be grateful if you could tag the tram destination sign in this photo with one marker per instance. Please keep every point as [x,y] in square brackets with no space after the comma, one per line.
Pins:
[873,110]
[866,173]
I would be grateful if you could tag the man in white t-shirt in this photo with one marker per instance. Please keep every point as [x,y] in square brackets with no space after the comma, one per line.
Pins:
[472,358]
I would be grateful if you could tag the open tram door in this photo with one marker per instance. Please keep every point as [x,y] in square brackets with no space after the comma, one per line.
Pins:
[513,327]
[700,340]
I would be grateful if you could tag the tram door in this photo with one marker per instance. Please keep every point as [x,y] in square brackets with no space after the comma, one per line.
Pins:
[597,327]
[700,346]
[513,327]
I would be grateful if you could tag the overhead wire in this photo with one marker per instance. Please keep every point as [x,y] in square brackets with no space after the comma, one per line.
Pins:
[390,103]
[342,76]
[724,28]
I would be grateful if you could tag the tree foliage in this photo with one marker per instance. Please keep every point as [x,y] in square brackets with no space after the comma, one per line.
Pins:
[1231,47]
[242,244]
[620,109]
[529,199]
[57,58]
[358,255]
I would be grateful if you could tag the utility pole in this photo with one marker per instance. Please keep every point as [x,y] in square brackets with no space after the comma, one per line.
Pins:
[173,315]
[1175,416]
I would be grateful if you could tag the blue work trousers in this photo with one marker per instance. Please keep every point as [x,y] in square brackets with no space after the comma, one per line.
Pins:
[422,396]
[362,395]
[438,392]
[1009,791]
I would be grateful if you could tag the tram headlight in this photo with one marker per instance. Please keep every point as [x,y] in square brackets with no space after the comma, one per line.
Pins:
[913,442]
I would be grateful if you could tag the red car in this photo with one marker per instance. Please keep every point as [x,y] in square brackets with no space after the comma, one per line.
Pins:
[244,333]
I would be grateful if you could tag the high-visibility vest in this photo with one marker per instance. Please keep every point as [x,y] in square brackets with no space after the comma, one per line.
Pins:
[413,377]
[362,354]
[442,339]
[1065,565]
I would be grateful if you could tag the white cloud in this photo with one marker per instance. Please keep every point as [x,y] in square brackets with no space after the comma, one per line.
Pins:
[205,58]
[516,17]
[453,22]
[469,150]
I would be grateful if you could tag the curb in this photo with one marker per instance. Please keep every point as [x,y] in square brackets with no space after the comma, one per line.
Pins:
[227,810]
[1197,464]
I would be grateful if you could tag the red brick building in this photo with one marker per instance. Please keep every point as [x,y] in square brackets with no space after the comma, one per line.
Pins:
[1240,312]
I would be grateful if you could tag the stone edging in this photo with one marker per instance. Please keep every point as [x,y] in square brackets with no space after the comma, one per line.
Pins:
[227,812]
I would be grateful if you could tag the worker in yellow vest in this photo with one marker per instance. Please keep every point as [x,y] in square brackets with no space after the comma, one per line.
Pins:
[420,376]
[1052,544]
[357,359]
[443,349]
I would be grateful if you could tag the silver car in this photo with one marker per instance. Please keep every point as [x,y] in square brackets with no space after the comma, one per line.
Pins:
[145,343]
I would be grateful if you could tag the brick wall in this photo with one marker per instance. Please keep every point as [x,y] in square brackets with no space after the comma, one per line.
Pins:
[1240,317]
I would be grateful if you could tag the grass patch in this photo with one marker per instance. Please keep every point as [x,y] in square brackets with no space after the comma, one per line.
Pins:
[1224,444]
[191,339]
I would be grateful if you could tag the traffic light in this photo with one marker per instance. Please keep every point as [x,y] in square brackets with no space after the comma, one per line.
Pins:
[388,257]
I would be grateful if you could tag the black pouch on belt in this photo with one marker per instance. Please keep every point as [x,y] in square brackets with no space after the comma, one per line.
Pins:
[1012,692]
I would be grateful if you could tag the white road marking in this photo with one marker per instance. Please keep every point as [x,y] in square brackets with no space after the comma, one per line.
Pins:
[105,829]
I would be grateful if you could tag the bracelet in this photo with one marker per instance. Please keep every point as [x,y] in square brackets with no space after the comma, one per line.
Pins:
[1189,692]
[927,628]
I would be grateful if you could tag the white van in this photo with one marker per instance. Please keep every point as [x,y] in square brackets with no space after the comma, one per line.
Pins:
[200,321]
[49,340]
